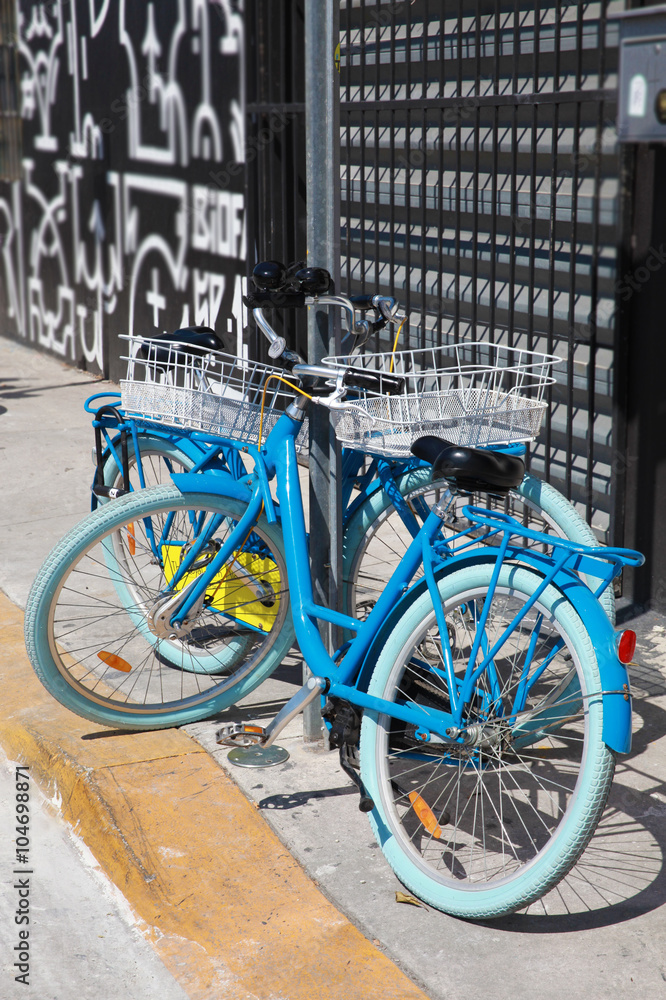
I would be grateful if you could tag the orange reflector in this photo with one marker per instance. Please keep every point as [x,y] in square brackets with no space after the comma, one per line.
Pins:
[131,540]
[114,661]
[626,645]
[425,814]
[252,729]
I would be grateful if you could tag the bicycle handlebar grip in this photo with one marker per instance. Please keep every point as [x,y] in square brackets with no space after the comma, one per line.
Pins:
[269,274]
[275,299]
[391,385]
[313,280]
[361,301]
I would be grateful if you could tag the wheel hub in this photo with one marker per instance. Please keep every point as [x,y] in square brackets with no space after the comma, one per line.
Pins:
[484,735]
[159,617]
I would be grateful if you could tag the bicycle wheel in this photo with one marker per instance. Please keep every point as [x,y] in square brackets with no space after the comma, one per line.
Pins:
[484,829]
[96,628]
[376,538]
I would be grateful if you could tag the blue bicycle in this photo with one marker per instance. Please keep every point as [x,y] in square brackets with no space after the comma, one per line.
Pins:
[479,709]
[384,499]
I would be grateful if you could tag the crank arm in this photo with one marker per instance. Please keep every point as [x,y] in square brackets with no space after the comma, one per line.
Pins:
[259,589]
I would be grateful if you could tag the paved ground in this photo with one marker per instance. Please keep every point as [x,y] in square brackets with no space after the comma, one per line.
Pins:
[601,933]
[82,935]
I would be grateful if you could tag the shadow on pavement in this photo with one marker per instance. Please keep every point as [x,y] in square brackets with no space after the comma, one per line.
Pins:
[292,800]
[621,874]
[28,392]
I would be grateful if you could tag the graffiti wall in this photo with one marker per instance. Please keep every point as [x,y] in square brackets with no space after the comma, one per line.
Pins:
[132,110]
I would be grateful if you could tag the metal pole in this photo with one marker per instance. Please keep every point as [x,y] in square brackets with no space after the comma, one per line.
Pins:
[322,127]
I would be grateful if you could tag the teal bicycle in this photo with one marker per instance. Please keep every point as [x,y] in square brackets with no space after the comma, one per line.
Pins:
[479,709]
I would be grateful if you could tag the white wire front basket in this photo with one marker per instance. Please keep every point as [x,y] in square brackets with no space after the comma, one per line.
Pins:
[205,390]
[473,393]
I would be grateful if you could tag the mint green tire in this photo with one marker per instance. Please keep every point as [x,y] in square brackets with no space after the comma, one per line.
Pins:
[482,829]
[92,625]
[375,537]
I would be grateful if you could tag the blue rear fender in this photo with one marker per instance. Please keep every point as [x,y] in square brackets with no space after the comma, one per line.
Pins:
[615,687]
[615,684]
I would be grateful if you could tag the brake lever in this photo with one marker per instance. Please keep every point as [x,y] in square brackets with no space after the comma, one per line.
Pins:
[391,313]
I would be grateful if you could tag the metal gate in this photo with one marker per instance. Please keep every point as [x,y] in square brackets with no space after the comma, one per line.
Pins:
[275,146]
[479,185]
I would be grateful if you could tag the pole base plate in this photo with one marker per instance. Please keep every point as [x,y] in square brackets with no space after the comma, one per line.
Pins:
[256,756]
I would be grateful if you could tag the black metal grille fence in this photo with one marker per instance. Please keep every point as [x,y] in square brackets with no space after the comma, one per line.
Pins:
[10,118]
[275,145]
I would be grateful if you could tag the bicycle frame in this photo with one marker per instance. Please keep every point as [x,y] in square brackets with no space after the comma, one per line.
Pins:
[345,680]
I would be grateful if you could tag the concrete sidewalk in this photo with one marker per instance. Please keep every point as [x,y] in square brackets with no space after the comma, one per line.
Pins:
[216,877]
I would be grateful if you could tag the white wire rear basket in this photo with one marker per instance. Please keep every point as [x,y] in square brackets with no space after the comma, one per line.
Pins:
[206,391]
[473,393]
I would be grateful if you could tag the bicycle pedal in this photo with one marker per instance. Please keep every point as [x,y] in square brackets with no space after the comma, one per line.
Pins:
[240,734]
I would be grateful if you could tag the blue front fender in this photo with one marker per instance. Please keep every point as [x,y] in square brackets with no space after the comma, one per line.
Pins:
[221,484]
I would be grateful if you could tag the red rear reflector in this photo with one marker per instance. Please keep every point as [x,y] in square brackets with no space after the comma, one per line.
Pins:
[626,646]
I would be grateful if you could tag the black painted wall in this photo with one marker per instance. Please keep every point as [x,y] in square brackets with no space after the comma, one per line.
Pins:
[130,213]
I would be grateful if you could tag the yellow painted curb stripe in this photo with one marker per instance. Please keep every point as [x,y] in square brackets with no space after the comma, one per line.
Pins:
[229,911]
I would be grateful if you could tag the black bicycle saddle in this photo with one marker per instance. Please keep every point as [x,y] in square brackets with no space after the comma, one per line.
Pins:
[195,341]
[470,470]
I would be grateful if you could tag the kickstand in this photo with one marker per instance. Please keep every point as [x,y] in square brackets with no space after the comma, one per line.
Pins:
[349,764]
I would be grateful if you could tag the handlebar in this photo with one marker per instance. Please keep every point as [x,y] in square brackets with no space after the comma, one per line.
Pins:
[385,305]
[353,378]
[289,298]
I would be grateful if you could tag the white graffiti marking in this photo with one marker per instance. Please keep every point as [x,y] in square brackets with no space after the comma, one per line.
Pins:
[218,222]
[206,132]
[163,92]
[39,82]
